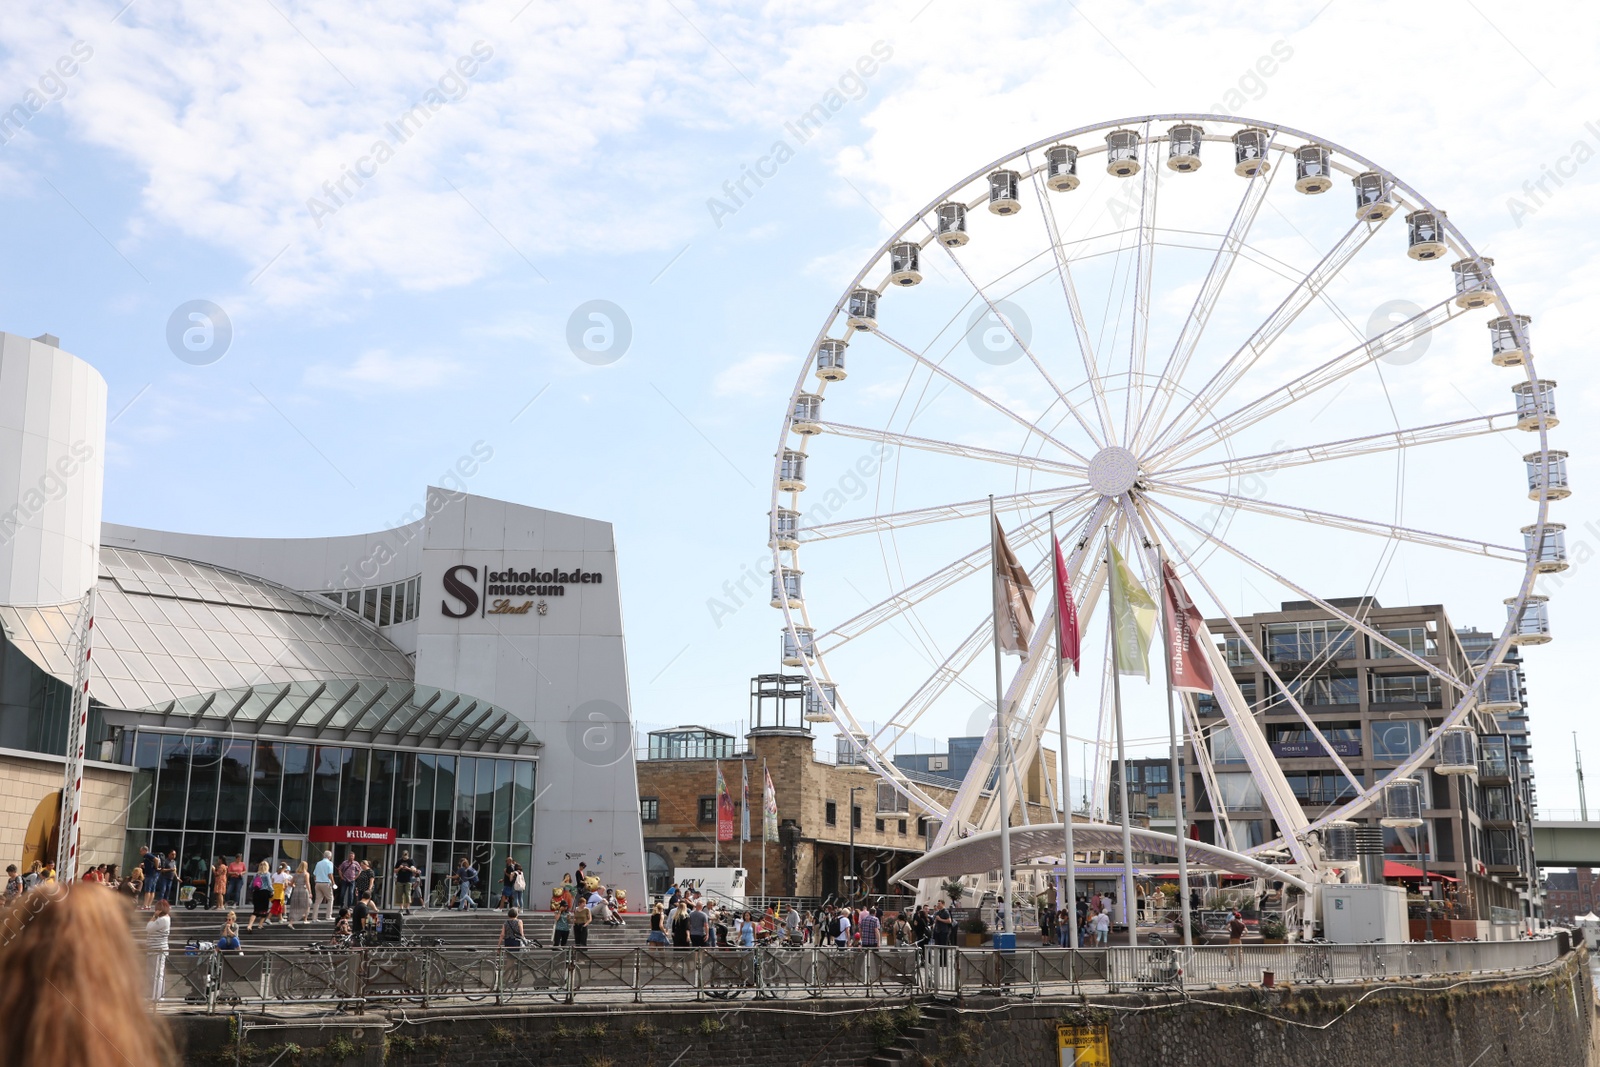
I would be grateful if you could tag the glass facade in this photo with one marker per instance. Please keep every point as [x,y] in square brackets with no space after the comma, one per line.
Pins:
[1303,642]
[690,742]
[381,605]
[206,796]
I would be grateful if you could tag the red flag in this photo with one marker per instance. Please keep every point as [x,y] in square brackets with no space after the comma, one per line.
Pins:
[1066,613]
[1191,669]
[724,808]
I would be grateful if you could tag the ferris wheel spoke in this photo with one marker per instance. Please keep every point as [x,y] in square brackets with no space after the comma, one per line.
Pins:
[1244,636]
[983,397]
[954,448]
[1256,346]
[1388,441]
[1205,302]
[930,585]
[1017,340]
[1069,290]
[1039,498]
[1352,621]
[1144,271]
[1313,381]
[1386,530]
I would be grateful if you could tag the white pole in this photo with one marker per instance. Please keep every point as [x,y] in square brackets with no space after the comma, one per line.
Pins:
[1168,633]
[1071,905]
[764,841]
[1005,732]
[1129,896]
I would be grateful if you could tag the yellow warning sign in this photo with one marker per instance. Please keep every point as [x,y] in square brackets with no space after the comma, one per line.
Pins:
[1083,1046]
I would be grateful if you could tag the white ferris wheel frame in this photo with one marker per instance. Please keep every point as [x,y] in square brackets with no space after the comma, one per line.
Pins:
[1029,695]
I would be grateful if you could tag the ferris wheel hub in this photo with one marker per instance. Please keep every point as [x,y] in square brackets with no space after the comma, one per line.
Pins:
[1113,471]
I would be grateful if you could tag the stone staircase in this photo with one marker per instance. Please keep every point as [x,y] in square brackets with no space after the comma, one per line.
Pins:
[918,1042]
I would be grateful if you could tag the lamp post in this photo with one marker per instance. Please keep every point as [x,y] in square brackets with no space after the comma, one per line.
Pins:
[851,877]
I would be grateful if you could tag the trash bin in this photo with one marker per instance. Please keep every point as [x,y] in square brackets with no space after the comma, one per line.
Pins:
[1004,942]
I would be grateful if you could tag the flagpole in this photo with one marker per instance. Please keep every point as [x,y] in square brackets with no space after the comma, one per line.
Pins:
[1068,858]
[764,780]
[1129,896]
[1005,734]
[744,806]
[1169,631]
[716,828]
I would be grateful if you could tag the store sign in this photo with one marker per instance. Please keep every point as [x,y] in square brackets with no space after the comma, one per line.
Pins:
[352,835]
[480,591]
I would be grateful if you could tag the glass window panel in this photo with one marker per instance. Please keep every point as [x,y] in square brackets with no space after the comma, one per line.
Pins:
[174,783]
[297,786]
[522,800]
[444,797]
[369,604]
[194,862]
[380,786]
[466,796]
[1225,747]
[352,600]
[236,783]
[229,846]
[404,791]
[325,787]
[422,802]
[1239,792]
[353,787]
[1396,739]
[386,605]
[205,768]
[502,800]
[142,795]
[483,822]
[267,783]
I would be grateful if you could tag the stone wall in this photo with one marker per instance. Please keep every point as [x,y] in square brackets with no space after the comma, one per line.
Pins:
[29,778]
[1546,1020]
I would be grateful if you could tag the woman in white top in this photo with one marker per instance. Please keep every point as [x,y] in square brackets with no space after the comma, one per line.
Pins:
[156,934]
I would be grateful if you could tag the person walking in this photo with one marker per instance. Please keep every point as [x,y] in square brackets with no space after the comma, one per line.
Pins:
[281,881]
[869,925]
[348,871]
[405,873]
[219,884]
[1236,941]
[236,873]
[157,931]
[657,939]
[511,935]
[699,927]
[508,879]
[322,887]
[580,925]
[260,895]
[300,895]
[563,927]
[466,880]
[841,931]
[148,865]
[680,924]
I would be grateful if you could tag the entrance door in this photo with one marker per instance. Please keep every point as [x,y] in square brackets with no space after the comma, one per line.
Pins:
[419,860]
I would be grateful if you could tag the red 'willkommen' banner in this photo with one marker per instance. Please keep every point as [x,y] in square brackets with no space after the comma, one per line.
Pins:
[1191,669]
[724,808]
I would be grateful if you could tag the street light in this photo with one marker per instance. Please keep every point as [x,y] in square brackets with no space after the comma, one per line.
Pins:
[851,877]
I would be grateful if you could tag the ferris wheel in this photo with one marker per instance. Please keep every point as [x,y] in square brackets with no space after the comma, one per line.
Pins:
[1163,334]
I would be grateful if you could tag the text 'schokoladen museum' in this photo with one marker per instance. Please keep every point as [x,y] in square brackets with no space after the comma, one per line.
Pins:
[454,687]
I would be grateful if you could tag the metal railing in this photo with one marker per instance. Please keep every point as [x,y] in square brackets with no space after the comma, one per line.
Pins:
[211,980]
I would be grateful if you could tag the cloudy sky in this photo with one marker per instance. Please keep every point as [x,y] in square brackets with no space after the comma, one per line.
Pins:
[404,211]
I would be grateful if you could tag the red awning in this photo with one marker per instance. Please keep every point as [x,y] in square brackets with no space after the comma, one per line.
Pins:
[1391,869]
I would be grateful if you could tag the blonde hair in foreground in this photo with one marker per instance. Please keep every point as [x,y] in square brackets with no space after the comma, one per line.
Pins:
[73,985]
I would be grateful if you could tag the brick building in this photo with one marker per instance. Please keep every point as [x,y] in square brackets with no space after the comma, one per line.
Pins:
[1569,894]
[820,796]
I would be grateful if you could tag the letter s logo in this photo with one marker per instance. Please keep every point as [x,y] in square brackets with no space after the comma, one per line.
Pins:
[463,592]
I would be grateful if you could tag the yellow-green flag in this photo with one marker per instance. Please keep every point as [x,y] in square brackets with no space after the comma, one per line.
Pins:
[1133,613]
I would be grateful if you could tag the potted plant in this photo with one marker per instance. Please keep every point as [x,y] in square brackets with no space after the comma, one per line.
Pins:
[973,931]
[955,889]
[1273,931]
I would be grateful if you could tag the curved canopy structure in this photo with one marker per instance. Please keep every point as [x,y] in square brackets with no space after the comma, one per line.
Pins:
[980,853]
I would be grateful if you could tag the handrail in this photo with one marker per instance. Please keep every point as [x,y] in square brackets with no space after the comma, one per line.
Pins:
[398,974]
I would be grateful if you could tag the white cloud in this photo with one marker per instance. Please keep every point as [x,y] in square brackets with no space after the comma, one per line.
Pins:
[761,376]
[380,369]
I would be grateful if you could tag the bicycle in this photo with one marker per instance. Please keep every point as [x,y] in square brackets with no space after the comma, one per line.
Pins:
[1373,960]
[1314,964]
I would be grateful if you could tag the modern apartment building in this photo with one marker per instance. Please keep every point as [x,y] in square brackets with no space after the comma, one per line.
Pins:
[1375,708]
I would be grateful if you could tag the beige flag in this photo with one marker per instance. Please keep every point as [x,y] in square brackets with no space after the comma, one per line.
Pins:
[1013,597]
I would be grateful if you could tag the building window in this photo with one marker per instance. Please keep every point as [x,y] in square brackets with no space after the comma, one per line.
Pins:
[1396,739]
[1414,639]
[922,826]
[902,828]
[1405,689]
[1304,642]
[708,809]
[649,809]
[830,813]
[1237,653]
[855,816]
[879,825]
[689,742]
